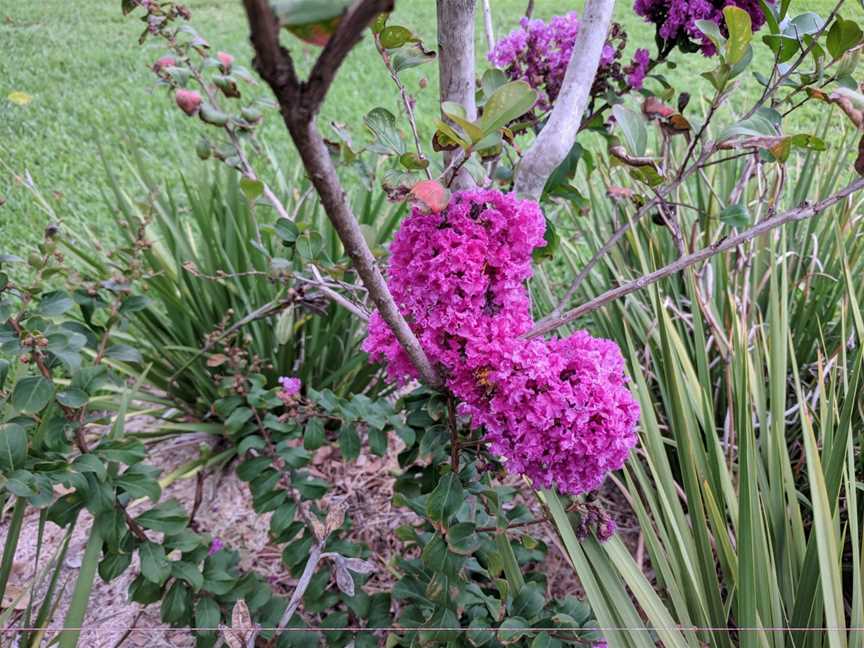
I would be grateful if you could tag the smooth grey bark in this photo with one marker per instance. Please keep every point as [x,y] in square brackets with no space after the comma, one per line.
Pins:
[456,68]
[559,134]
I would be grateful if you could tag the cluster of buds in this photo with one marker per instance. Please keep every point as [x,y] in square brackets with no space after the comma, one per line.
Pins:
[593,518]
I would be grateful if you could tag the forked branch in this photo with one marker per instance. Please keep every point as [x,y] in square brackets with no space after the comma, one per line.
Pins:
[299,102]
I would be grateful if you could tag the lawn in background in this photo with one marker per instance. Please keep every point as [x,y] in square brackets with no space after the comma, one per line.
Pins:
[91,87]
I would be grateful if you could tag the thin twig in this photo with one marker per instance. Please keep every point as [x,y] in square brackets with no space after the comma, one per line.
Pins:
[487,26]
[799,213]
[406,101]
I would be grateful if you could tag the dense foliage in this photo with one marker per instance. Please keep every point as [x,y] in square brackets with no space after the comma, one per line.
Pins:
[698,466]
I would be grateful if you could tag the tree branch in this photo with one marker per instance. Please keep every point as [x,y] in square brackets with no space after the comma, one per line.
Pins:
[558,135]
[487,26]
[347,35]
[456,68]
[298,103]
[796,214]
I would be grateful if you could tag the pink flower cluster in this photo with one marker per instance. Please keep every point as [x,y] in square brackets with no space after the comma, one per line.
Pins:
[290,387]
[539,52]
[675,20]
[559,411]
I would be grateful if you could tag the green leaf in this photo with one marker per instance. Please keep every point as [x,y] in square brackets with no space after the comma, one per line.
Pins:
[552,239]
[177,604]
[141,480]
[304,12]
[633,127]
[410,56]
[55,303]
[804,24]
[382,123]
[843,36]
[309,244]
[377,441]
[13,447]
[395,36]
[134,304]
[123,352]
[207,613]
[144,591]
[113,565]
[446,499]
[712,31]
[251,188]
[735,216]
[189,573]
[412,161]
[784,47]
[21,483]
[154,565]
[73,398]
[759,125]
[528,602]
[286,230]
[168,517]
[238,418]
[740,33]
[462,538]
[32,394]
[349,442]
[129,451]
[512,629]
[251,468]
[507,103]
[313,435]
[90,463]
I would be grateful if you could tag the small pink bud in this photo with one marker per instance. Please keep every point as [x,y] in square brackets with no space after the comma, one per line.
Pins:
[225,60]
[164,62]
[188,100]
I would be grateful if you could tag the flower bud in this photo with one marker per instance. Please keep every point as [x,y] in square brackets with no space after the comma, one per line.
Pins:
[225,61]
[188,100]
[251,115]
[212,115]
[203,148]
[164,62]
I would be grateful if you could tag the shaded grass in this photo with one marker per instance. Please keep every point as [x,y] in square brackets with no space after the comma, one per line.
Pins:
[91,86]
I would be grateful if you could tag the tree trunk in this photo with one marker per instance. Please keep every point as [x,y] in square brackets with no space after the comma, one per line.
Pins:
[456,66]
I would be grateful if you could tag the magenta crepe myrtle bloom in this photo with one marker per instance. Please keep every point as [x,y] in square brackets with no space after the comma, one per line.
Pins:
[188,100]
[557,411]
[638,68]
[215,546]
[539,52]
[675,20]
[290,386]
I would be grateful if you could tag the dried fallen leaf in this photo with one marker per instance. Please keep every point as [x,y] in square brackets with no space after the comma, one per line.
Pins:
[19,98]
[344,580]
[335,517]
[359,565]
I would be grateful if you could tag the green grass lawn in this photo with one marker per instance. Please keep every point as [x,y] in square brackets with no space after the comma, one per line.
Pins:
[91,86]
